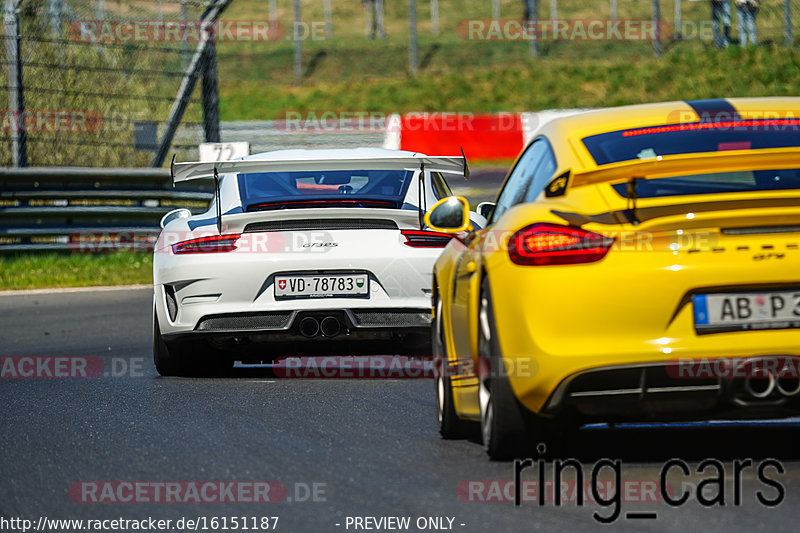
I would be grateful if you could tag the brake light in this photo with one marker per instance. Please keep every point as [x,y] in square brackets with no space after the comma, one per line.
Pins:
[299,204]
[207,245]
[425,239]
[728,124]
[551,244]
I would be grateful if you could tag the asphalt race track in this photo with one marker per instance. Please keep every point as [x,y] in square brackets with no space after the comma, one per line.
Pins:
[369,447]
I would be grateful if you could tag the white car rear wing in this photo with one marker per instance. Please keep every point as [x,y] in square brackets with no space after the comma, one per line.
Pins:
[210,169]
[213,169]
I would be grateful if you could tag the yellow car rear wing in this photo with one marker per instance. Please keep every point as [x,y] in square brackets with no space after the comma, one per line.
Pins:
[683,164]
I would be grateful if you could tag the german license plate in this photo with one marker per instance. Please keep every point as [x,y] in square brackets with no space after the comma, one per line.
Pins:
[751,310]
[321,286]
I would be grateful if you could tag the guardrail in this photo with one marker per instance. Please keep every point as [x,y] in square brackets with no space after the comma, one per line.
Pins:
[90,209]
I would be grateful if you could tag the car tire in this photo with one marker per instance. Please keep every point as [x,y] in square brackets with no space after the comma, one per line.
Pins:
[508,428]
[169,360]
[450,425]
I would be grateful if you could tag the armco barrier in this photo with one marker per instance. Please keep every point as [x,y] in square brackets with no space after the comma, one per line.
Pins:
[59,208]
[89,209]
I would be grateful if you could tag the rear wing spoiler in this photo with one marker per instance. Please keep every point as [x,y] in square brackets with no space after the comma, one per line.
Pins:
[668,165]
[211,169]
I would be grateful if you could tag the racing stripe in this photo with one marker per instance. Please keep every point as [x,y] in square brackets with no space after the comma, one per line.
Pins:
[713,110]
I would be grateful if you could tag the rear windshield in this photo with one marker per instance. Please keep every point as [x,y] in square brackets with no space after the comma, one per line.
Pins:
[720,182]
[365,188]
[646,143]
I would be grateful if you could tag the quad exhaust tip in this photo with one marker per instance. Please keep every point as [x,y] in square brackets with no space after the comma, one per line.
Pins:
[760,386]
[762,383]
[788,386]
[309,327]
[330,326]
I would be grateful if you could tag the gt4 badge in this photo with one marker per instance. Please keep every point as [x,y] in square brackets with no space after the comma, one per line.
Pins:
[558,186]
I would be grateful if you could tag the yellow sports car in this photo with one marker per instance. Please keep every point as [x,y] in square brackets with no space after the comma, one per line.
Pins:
[640,263]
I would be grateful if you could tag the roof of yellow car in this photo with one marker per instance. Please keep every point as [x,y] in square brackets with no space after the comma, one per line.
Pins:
[574,128]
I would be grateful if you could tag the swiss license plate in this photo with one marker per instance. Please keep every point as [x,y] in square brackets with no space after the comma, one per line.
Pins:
[321,286]
[750,310]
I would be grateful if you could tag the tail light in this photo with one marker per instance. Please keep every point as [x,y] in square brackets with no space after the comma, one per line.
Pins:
[425,239]
[551,244]
[207,245]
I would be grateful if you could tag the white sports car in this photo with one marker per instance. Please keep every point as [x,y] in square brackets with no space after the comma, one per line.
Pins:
[301,252]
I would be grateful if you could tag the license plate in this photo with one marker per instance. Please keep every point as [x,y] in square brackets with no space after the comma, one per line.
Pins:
[321,286]
[751,310]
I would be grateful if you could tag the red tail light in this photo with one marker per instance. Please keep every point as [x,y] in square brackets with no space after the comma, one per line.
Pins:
[207,245]
[551,244]
[425,239]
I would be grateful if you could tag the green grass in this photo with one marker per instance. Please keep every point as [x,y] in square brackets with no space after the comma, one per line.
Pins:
[535,85]
[46,270]
[350,72]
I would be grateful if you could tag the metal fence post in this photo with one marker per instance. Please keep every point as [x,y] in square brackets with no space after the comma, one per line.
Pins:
[273,10]
[657,21]
[787,15]
[379,28]
[16,97]
[187,86]
[412,37]
[185,57]
[614,10]
[678,25]
[328,19]
[533,24]
[210,94]
[54,13]
[495,9]
[298,45]
[554,9]
[435,17]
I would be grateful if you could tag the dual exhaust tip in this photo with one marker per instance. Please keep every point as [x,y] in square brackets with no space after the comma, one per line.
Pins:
[761,383]
[327,327]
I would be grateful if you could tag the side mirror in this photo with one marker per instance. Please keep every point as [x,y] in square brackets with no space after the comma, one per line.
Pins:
[485,209]
[174,215]
[449,215]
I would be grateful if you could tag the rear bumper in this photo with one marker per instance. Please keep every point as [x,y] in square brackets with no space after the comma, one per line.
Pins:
[628,309]
[661,391]
[323,331]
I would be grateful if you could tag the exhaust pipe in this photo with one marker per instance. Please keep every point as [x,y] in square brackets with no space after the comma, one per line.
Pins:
[309,327]
[759,386]
[330,327]
[788,385]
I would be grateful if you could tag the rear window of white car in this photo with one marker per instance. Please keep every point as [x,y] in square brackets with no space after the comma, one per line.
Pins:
[335,188]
